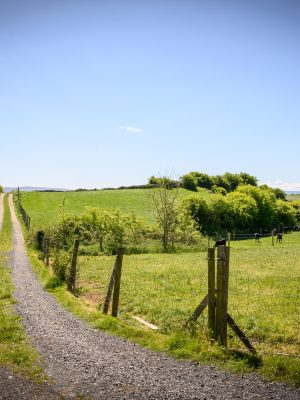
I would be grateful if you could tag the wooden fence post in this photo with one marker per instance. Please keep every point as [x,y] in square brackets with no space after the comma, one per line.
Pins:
[211,293]
[228,238]
[118,271]
[222,294]
[47,251]
[217,300]
[110,289]
[273,237]
[72,276]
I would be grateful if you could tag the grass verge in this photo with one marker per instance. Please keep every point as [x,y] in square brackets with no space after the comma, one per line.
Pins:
[16,352]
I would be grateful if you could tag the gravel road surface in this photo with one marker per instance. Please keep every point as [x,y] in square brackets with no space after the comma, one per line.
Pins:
[81,361]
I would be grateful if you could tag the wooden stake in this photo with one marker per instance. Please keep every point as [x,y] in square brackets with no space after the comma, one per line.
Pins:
[116,295]
[111,284]
[47,251]
[211,292]
[222,294]
[72,276]
[228,238]
[240,334]
[198,311]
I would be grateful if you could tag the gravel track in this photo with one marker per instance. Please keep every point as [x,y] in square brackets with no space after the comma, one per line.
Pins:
[83,361]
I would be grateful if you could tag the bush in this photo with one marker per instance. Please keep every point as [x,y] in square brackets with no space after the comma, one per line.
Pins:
[53,283]
[218,190]
[188,182]
[60,265]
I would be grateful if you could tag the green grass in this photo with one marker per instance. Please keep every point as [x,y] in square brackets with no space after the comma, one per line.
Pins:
[165,288]
[293,197]
[43,207]
[15,351]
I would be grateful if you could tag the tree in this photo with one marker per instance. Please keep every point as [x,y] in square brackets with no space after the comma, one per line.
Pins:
[123,230]
[218,190]
[296,207]
[165,201]
[266,205]
[153,180]
[286,214]
[279,194]
[234,180]
[189,182]
[198,210]
[95,222]
[222,181]
[220,215]
[248,179]
[1,189]
[244,209]
[203,180]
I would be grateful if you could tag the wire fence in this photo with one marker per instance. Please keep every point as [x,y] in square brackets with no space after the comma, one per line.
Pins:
[246,236]
[24,214]
[165,292]
[268,310]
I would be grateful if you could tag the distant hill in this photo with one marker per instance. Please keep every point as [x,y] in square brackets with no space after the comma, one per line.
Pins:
[34,189]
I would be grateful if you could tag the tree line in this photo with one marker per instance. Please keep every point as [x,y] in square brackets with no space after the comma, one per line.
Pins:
[248,209]
[179,222]
[228,182]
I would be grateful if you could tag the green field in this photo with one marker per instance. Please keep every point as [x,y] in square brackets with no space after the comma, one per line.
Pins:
[43,207]
[293,197]
[164,289]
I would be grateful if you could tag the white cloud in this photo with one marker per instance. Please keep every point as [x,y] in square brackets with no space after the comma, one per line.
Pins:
[131,129]
[290,186]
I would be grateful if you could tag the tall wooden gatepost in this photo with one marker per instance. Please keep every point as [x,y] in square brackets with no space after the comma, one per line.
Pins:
[217,299]
[114,285]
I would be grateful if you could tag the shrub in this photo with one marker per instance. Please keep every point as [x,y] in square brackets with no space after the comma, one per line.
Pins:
[60,265]
[53,282]
[188,182]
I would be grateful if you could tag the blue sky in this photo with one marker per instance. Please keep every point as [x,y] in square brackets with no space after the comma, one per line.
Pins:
[108,93]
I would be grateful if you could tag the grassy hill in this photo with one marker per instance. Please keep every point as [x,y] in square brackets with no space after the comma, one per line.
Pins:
[43,207]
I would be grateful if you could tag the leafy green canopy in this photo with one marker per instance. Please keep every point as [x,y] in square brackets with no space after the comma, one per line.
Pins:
[228,181]
[247,209]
